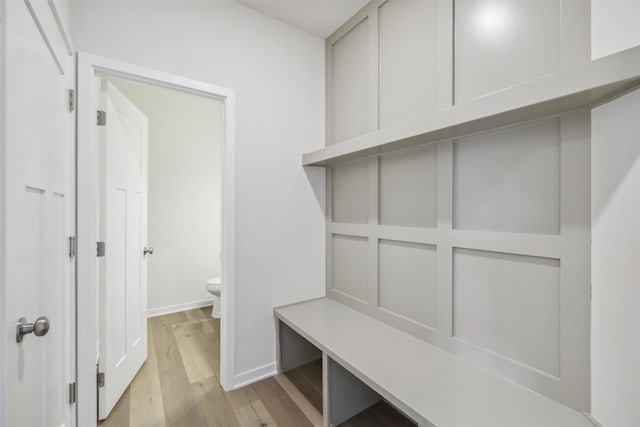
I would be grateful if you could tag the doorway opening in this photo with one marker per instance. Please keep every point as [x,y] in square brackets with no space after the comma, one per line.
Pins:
[159,214]
[164,155]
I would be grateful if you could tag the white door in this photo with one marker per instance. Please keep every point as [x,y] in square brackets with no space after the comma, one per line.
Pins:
[122,272]
[38,197]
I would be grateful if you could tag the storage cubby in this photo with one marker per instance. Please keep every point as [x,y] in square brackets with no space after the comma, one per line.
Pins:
[352,402]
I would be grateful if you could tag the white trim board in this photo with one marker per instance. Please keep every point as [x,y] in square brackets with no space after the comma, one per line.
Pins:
[254,375]
[88,66]
[168,309]
[3,197]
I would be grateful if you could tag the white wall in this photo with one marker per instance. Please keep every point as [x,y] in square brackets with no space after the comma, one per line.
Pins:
[185,191]
[615,274]
[278,75]
[615,26]
[615,216]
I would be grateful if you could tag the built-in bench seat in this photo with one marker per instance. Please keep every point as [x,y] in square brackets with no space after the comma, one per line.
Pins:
[365,360]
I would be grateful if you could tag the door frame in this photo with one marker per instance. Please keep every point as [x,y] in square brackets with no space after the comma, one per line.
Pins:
[88,67]
[3,196]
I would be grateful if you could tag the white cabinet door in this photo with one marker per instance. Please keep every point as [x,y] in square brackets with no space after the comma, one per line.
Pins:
[38,144]
[123,227]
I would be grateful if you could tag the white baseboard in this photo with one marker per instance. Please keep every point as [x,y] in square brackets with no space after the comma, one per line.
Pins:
[254,375]
[159,311]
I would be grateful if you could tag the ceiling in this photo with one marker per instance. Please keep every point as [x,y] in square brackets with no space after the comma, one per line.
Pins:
[318,17]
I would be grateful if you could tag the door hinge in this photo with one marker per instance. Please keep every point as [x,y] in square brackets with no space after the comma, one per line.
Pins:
[100,379]
[71,100]
[72,246]
[101,249]
[73,392]
[102,118]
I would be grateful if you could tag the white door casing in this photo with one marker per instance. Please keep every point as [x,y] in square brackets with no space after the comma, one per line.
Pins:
[122,272]
[88,67]
[38,201]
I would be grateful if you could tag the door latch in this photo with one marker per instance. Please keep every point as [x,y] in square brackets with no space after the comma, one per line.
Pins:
[39,328]
[100,379]
[101,249]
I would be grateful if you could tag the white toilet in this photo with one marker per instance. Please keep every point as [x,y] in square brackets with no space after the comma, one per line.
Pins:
[214,286]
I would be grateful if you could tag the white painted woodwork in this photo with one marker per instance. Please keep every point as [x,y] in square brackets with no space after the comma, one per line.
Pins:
[409,69]
[575,88]
[293,350]
[509,305]
[501,44]
[350,203]
[350,91]
[408,188]
[408,281]
[615,250]
[122,277]
[88,66]
[502,257]
[346,395]
[349,266]
[37,149]
[408,60]
[509,180]
[615,26]
[432,386]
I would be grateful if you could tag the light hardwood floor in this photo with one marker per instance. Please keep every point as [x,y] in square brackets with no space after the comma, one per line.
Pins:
[178,386]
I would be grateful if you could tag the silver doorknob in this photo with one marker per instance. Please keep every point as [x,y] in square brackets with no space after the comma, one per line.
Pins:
[148,250]
[39,328]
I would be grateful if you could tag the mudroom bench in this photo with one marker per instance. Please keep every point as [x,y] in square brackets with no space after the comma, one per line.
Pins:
[365,361]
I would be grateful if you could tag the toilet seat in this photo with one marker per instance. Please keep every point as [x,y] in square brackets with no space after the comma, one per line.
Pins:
[215,281]
[214,285]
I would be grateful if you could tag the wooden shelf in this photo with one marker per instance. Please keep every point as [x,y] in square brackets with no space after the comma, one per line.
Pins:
[426,383]
[583,86]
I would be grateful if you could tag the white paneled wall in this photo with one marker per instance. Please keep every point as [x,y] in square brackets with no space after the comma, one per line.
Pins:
[520,199]
[408,269]
[478,245]
[499,44]
[510,305]
[350,57]
[615,26]
[389,63]
[400,59]
[351,197]
[418,171]
[408,60]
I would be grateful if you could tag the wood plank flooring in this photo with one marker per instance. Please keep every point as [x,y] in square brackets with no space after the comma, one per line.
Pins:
[178,386]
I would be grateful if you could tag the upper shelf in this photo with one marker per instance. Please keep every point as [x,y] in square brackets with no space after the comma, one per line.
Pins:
[572,89]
